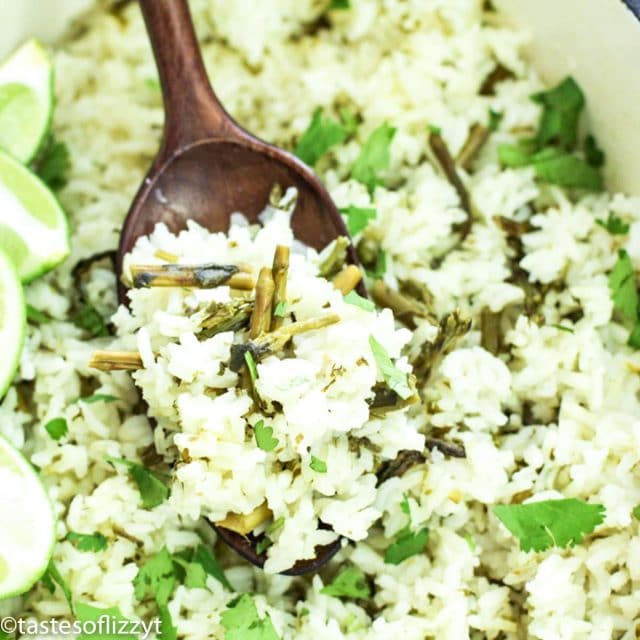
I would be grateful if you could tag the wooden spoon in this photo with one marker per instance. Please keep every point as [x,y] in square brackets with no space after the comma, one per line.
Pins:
[208,167]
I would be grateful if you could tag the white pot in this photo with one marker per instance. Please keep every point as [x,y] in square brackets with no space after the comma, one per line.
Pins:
[597,41]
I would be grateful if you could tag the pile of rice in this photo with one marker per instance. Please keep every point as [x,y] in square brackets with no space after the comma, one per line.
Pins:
[555,414]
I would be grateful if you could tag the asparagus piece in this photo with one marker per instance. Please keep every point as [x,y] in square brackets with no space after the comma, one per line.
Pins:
[404,308]
[261,316]
[347,280]
[448,448]
[280,272]
[335,258]
[205,276]
[116,360]
[478,135]
[230,316]
[397,467]
[244,523]
[499,74]
[490,331]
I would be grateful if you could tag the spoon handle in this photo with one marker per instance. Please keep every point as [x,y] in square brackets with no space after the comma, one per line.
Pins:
[192,109]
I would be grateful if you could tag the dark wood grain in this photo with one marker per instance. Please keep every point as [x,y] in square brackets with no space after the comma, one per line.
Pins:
[209,167]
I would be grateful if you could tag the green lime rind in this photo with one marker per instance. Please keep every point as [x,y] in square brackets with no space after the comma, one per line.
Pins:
[34,230]
[26,101]
[13,321]
[28,536]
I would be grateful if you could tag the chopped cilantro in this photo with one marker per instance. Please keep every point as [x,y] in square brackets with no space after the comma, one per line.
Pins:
[435,129]
[54,164]
[380,267]
[280,310]
[98,397]
[156,577]
[152,83]
[52,577]
[397,380]
[57,428]
[349,120]
[358,218]
[634,336]
[541,525]
[406,545]
[349,583]
[336,5]
[264,436]
[358,301]
[374,156]
[319,466]
[593,154]
[35,316]
[622,282]
[251,366]
[561,327]
[87,541]
[321,134]
[263,544]
[88,613]
[242,622]
[636,512]
[614,225]
[561,108]
[495,117]
[89,319]
[207,560]
[153,490]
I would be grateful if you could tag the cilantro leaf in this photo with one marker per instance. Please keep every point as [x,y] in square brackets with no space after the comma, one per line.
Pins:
[380,266]
[561,327]
[87,541]
[251,366]
[495,117]
[205,558]
[87,613]
[321,134]
[407,544]
[349,119]
[374,156]
[157,577]
[397,380]
[358,218]
[319,466]
[57,428]
[593,154]
[52,577]
[358,301]
[336,5]
[167,629]
[622,282]
[280,310]
[152,83]
[561,108]
[242,622]
[567,170]
[89,319]
[98,397]
[54,164]
[634,336]
[349,583]
[153,490]
[264,436]
[636,512]
[614,225]
[541,525]
[35,316]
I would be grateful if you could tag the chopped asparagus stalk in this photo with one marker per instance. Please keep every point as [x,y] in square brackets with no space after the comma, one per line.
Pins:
[229,316]
[347,280]
[490,331]
[280,272]
[448,448]
[499,74]
[478,135]
[245,523]
[116,360]
[261,316]
[205,276]
[397,467]
[335,258]
[242,281]
[161,254]
[404,308]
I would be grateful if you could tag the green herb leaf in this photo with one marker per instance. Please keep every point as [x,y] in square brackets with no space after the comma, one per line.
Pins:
[57,428]
[336,5]
[54,164]
[560,114]
[380,267]
[156,577]
[349,583]
[153,490]
[349,120]
[207,560]
[264,436]
[52,577]
[251,366]
[397,380]
[614,225]
[87,541]
[407,544]
[593,154]
[35,316]
[636,512]
[87,613]
[541,525]
[358,218]
[358,301]
[634,336]
[98,397]
[242,622]
[374,156]
[320,136]
[319,466]
[281,309]
[167,629]
[152,83]
[263,544]
[90,320]
[622,282]
[561,327]
[567,170]
[511,155]
[495,118]
[432,128]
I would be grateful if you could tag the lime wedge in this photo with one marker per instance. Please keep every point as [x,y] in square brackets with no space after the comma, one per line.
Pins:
[34,231]
[13,322]
[26,100]
[28,527]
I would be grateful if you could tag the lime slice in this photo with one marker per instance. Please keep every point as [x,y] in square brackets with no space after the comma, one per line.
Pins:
[26,100]
[28,527]
[34,231]
[13,322]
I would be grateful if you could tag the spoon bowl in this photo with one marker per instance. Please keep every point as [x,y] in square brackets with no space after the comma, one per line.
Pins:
[209,167]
